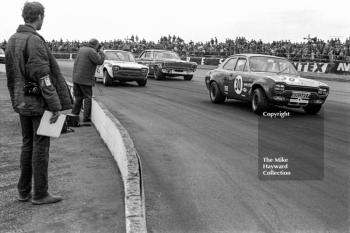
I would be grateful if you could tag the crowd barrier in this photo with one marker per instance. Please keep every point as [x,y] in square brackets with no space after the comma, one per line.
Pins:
[305,66]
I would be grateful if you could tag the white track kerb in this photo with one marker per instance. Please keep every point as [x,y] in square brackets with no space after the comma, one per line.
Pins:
[123,150]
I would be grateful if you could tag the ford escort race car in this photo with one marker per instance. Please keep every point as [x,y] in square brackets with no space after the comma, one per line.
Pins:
[164,63]
[264,81]
[121,66]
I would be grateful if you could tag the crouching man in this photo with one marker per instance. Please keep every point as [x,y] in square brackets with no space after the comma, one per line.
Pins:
[84,76]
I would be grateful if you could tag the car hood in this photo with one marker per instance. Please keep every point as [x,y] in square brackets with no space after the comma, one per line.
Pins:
[293,80]
[124,64]
[178,61]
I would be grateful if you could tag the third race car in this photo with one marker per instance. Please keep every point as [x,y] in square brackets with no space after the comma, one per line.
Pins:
[164,63]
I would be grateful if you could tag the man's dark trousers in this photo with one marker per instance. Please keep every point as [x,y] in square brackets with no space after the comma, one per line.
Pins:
[34,159]
[82,92]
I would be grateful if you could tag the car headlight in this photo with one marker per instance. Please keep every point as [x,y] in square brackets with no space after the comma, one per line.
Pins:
[322,91]
[108,65]
[115,68]
[194,67]
[279,87]
[144,70]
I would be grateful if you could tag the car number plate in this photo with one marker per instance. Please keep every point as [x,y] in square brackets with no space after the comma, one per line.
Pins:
[301,95]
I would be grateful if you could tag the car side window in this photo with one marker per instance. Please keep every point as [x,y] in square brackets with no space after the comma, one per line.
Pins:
[240,66]
[246,67]
[148,55]
[230,64]
[157,55]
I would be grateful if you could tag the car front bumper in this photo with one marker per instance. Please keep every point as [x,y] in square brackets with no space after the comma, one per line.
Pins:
[177,71]
[122,75]
[286,98]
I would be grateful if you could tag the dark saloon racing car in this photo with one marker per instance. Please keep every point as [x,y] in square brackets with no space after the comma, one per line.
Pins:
[164,63]
[121,66]
[264,81]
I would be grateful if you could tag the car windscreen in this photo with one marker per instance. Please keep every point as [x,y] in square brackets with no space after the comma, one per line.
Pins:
[167,55]
[271,64]
[119,56]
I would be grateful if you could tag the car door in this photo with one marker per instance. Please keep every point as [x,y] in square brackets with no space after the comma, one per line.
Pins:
[226,73]
[146,58]
[237,80]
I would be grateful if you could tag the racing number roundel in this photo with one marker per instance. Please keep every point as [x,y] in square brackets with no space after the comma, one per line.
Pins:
[238,84]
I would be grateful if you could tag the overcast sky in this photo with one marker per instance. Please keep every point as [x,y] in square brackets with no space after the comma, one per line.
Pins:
[191,20]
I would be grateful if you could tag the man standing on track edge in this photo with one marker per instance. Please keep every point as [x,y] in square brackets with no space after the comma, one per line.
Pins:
[84,76]
[35,84]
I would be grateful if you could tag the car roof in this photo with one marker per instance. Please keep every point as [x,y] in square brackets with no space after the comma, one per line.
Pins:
[115,50]
[257,55]
[158,50]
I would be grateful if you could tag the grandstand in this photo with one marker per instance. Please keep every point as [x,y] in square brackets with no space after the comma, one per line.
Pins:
[313,49]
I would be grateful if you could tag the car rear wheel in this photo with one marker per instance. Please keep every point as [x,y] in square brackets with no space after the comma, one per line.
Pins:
[312,108]
[158,73]
[107,80]
[142,83]
[188,77]
[215,94]
[259,101]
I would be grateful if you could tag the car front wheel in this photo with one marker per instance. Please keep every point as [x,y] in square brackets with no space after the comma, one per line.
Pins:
[312,108]
[188,77]
[158,75]
[259,101]
[215,94]
[107,80]
[142,83]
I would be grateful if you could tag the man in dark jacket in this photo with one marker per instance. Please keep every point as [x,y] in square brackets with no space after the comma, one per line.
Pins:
[35,84]
[84,76]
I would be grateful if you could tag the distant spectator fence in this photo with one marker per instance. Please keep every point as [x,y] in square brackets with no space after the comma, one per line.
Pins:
[302,65]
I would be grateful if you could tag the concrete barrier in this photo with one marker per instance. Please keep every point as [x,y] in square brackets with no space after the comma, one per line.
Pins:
[124,153]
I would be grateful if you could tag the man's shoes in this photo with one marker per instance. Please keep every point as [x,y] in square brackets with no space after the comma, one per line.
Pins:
[49,199]
[86,120]
[24,198]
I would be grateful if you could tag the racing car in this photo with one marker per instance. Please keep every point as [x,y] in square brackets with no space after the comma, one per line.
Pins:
[164,63]
[121,66]
[264,81]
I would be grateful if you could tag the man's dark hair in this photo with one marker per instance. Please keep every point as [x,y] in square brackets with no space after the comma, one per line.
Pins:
[31,11]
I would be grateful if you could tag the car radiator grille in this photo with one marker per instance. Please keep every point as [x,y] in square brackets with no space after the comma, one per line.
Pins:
[130,72]
[178,65]
[130,69]
[301,88]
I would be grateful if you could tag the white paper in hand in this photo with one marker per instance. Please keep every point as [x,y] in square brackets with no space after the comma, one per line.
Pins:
[50,130]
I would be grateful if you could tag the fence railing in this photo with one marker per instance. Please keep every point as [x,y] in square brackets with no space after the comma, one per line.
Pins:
[302,65]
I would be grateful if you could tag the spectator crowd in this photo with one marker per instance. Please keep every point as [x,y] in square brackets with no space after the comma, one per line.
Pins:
[312,49]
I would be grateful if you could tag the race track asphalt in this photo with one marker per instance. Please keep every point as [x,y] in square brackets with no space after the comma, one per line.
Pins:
[200,160]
